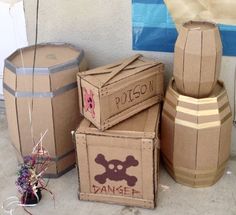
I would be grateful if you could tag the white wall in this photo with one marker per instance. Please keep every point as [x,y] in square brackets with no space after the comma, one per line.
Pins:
[13,32]
[103,29]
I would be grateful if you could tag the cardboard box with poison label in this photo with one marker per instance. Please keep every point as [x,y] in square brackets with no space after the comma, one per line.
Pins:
[121,164]
[113,93]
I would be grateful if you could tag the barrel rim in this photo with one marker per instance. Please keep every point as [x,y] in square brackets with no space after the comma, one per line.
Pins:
[197,100]
[45,70]
[212,24]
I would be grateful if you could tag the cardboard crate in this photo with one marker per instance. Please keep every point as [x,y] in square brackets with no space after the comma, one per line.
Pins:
[196,136]
[120,165]
[197,59]
[54,97]
[115,92]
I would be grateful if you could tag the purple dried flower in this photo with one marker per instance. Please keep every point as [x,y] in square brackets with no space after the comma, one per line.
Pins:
[23,181]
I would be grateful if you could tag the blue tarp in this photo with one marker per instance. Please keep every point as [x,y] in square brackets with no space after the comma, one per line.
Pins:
[154,30]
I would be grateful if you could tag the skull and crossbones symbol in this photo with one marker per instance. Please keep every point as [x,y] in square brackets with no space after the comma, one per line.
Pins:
[115,170]
[89,104]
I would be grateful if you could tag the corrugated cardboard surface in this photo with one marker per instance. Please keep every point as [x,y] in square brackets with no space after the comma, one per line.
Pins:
[133,137]
[197,59]
[47,55]
[58,114]
[196,136]
[136,87]
[102,72]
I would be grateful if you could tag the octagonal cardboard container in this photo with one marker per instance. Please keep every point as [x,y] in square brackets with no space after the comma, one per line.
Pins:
[197,58]
[52,97]
[196,136]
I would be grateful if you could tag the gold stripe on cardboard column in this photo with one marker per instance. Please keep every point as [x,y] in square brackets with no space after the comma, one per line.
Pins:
[197,126]
[228,116]
[167,114]
[223,107]
[191,100]
[222,95]
[197,101]
[172,92]
[197,112]
[168,101]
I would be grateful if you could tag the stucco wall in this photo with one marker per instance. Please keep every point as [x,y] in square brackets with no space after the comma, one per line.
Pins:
[103,29]
[13,36]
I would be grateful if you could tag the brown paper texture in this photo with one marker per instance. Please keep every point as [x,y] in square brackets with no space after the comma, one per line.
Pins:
[187,126]
[113,93]
[222,12]
[58,113]
[105,173]
[197,58]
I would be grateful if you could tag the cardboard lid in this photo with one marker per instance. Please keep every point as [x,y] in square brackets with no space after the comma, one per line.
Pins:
[132,66]
[199,25]
[141,125]
[218,91]
[47,55]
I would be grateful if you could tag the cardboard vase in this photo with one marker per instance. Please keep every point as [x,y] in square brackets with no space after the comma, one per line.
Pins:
[113,93]
[196,136]
[51,95]
[197,58]
[121,164]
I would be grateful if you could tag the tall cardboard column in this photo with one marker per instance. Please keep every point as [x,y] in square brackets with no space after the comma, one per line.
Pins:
[196,118]
[196,136]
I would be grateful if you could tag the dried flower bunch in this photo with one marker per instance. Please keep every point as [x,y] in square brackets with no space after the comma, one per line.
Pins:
[30,181]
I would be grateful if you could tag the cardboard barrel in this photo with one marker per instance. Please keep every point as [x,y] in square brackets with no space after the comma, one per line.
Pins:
[196,136]
[55,101]
[197,58]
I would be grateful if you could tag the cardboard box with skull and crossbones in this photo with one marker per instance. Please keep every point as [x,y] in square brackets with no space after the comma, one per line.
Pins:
[120,165]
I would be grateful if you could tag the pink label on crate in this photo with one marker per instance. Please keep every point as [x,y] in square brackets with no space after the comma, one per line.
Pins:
[89,104]
[115,170]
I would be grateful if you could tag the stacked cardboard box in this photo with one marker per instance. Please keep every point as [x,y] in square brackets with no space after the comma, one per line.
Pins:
[118,143]
[196,119]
